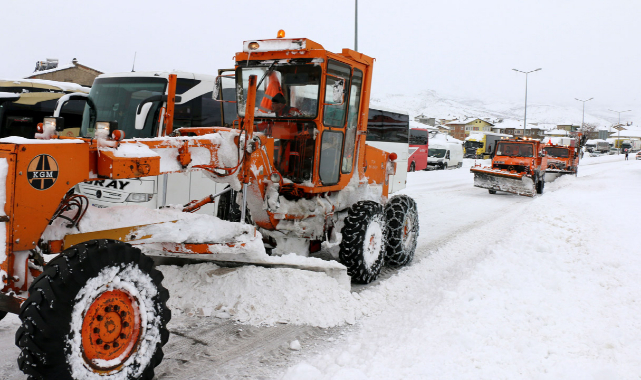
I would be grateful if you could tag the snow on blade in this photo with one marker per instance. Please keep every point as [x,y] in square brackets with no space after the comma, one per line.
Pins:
[258,296]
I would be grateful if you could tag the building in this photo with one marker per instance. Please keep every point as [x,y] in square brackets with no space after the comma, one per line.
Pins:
[568,127]
[515,128]
[74,72]
[425,120]
[460,129]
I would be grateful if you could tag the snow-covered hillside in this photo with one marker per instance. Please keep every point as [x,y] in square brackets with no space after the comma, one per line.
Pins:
[432,104]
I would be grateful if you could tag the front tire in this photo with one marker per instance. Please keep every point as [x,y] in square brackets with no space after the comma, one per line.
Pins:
[362,248]
[98,311]
[401,216]
[539,186]
[412,167]
[492,191]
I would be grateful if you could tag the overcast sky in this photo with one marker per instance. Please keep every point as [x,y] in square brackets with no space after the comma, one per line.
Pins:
[586,48]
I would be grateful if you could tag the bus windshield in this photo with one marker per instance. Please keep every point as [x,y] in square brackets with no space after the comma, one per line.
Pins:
[116,99]
[418,137]
[558,152]
[514,150]
[287,91]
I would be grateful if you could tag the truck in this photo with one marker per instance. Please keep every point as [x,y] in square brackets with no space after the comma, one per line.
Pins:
[629,145]
[96,307]
[482,144]
[518,167]
[597,146]
[562,159]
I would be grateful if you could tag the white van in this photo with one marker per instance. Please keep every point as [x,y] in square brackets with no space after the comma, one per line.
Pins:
[443,154]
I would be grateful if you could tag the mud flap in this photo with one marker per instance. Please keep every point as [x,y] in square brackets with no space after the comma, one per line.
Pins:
[516,184]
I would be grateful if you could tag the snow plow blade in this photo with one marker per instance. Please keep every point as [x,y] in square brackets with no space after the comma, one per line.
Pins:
[242,247]
[500,180]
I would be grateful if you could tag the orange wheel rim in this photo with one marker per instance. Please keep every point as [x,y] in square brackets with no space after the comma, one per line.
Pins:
[110,330]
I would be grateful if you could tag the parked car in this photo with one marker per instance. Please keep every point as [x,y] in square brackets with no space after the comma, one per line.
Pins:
[638,156]
[614,151]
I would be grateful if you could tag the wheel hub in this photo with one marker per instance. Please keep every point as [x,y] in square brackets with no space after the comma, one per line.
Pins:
[110,330]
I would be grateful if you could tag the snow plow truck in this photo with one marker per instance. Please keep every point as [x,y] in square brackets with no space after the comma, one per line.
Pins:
[518,167]
[563,156]
[91,302]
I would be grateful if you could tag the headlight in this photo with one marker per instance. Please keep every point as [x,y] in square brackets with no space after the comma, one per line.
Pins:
[275,177]
[102,129]
[253,45]
[139,197]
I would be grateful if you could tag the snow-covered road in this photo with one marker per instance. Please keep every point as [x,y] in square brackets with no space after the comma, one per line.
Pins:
[543,288]
[502,287]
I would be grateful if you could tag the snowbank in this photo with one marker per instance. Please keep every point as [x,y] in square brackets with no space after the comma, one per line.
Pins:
[259,296]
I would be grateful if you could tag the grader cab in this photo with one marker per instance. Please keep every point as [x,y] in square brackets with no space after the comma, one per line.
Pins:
[91,302]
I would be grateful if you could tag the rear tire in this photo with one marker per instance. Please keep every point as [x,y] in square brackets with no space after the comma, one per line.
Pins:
[460,165]
[401,216]
[362,248]
[98,311]
[412,167]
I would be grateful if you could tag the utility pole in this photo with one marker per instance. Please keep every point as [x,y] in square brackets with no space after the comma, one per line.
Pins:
[525,116]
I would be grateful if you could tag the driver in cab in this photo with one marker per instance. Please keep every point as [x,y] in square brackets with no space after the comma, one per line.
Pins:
[281,109]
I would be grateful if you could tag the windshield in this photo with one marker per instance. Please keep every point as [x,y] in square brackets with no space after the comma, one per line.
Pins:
[514,150]
[473,144]
[437,153]
[418,137]
[116,99]
[558,152]
[287,91]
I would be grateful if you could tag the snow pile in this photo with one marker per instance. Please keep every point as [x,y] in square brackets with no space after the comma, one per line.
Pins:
[258,296]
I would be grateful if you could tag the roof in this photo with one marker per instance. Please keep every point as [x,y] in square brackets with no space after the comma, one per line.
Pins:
[467,120]
[517,124]
[70,65]
[45,84]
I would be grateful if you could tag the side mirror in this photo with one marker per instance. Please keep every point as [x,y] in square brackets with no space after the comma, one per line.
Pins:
[338,91]
[66,98]
[145,106]
[141,116]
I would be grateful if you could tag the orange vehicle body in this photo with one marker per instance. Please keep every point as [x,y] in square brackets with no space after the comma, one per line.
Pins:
[564,159]
[518,167]
[41,173]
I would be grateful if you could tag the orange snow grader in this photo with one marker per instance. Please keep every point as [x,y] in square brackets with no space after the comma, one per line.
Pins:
[91,302]
[518,167]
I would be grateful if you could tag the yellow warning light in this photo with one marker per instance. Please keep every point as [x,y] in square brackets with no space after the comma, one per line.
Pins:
[281,34]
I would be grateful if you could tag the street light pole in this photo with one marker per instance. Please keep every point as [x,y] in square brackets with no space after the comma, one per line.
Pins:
[583,117]
[356,25]
[525,115]
[619,112]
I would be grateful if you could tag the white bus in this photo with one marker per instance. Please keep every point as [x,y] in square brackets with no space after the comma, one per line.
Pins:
[115,97]
[388,130]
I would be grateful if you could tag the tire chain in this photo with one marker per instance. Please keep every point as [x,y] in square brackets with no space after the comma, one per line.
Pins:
[358,219]
[397,210]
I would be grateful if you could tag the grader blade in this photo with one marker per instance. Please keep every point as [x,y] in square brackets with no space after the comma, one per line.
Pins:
[169,243]
[498,180]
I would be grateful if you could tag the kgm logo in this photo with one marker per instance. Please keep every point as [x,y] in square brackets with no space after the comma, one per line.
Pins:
[42,172]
